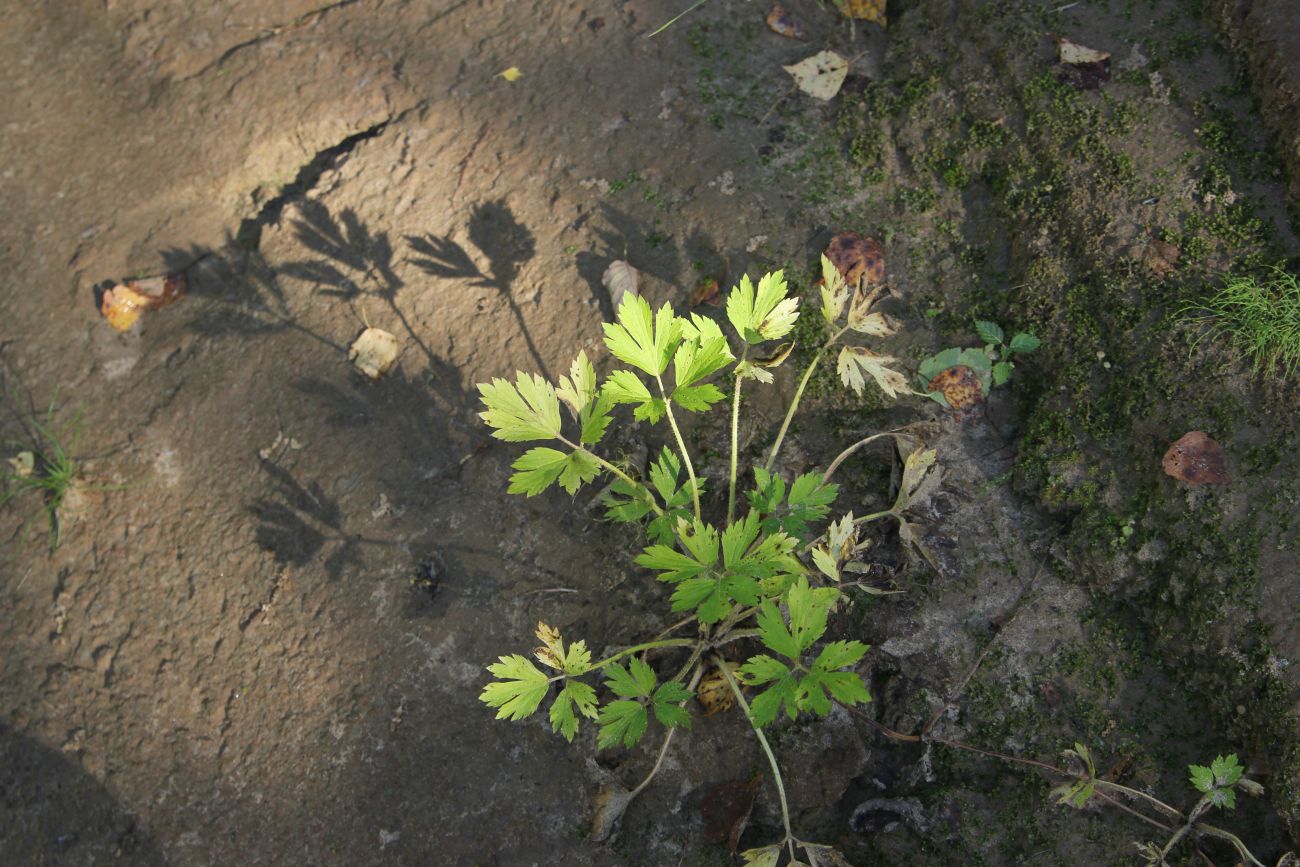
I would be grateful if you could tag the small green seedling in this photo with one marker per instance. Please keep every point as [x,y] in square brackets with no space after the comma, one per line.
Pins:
[47,467]
[1218,785]
[992,363]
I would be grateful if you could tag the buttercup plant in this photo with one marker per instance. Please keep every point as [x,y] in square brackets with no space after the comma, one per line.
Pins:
[742,577]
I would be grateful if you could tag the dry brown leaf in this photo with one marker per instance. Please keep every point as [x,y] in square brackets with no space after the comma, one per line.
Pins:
[707,292]
[1196,459]
[960,386]
[865,10]
[859,259]
[374,352]
[821,75]
[714,693]
[123,304]
[726,808]
[1162,258]
[782,23]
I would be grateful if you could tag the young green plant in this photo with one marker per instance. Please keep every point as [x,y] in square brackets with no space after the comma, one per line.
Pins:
[992,363]
[736,576]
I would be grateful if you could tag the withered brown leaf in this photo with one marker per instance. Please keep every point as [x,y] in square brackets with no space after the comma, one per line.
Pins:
[726,808]
[960,386]
[782,23]
[859,259]
[1196,459]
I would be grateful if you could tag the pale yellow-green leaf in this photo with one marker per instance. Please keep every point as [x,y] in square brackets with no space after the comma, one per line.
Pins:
[821,75]
[374,352]
[874,324]
[856,363]
[835,292]
[23,464]
[767,856]
[511,74]
[826,563]
[1072,52]
[579,387]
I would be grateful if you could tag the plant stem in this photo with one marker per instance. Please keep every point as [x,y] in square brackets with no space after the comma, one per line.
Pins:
[616,471]
[681,446]
[767,749]
[637,648]
[735,437]
[844,455]
[798,395]
[668,739]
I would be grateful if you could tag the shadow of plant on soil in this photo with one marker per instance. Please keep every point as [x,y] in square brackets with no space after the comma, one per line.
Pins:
[505,242]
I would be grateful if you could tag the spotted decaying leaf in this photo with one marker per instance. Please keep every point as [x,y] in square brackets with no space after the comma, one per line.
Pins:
[714,693]
[1085,68]
[859,259]
[1196,459]
[960,386]
[782,23]
[123,304]
[725,810]
[821,75]
[374,352]
[864,10]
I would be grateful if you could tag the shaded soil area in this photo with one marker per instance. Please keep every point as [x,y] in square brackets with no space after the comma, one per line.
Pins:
[263,634]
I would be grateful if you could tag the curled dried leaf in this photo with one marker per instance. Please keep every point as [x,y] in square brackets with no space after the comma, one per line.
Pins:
[782,23]
[620,280]
[1196,459]
[706,292]
[123,304]
[777,357]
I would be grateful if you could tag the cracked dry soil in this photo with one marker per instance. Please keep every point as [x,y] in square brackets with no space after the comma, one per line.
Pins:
[266,648]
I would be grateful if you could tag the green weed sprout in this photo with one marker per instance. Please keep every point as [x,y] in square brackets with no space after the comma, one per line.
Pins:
[761,571]
[1261,318]
[47,467]
[992,363]
[1217,784]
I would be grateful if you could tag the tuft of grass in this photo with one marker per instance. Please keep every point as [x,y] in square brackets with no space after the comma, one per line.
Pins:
[1261,317]
[47,467]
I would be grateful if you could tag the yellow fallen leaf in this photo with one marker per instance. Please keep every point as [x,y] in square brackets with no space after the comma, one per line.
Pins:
[1072,52]
[374,352]
[821,75]
[23,464]
[123,304]
[864,10]
[511,74]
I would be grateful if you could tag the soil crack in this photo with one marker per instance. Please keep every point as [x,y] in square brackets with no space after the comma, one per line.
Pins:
[249,236]
[270,33]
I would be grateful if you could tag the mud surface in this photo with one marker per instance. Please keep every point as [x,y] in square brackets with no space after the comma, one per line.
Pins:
[262,637]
